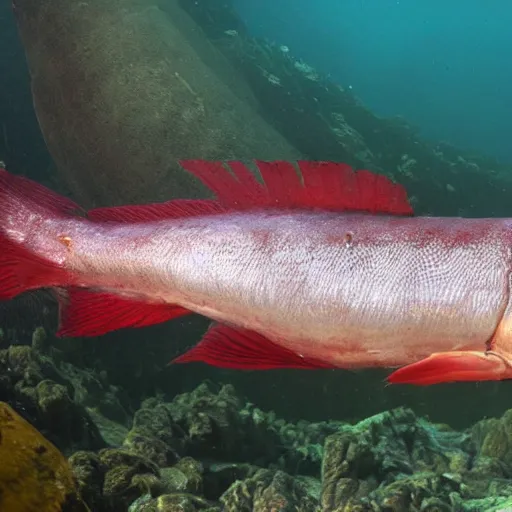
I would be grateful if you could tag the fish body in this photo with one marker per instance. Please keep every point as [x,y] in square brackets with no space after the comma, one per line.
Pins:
[289,286]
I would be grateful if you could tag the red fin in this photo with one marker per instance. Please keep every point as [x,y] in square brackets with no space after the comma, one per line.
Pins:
[15,188]
[90,313]
[451,367]
[156,211]
[20,268]
[324,185]
[228,347]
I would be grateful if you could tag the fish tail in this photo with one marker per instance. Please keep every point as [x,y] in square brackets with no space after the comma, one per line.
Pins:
[31,254]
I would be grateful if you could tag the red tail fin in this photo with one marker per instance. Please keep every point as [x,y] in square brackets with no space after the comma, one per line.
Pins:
[25,206]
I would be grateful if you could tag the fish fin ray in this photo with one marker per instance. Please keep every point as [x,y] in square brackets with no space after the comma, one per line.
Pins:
[229,347]
[85,312]
[451,367]
[156,211]
[14,188]
[235,190]
[21,269]
[312,185]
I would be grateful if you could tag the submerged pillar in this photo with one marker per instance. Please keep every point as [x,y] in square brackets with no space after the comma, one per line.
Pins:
[123,89]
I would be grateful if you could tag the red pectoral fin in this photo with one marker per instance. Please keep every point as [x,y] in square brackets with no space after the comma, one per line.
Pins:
[86,312]
[228,347]
[453,367]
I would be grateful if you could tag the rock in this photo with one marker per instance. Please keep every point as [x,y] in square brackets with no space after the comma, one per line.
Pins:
[494,438]
[219,477]
[114,478]
[268,490]
[73,407]
[360,460]
[174,480]
[63,417]
[177,502]
[89,473]
[421,491]
[203,424]
[193,471]
[45,396]
[34,475]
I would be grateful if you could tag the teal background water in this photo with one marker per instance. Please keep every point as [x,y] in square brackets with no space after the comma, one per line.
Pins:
[444,66]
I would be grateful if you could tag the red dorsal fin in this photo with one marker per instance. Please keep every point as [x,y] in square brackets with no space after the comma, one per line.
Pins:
[313,185]
[156,211]
[90,313]
[320,185]
[228,347]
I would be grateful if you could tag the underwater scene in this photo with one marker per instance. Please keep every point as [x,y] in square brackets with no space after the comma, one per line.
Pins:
[255,256]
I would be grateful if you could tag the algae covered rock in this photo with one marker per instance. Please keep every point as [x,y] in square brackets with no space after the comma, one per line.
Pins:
[113,478]
[203,424]
[177,502]
[34,475]
[61,415]
[89,474]
[494,438]
[218,477]
[393,459]
[421,491]
[297,446]
[75,408]
[124,471]
[268,490]
[193,472]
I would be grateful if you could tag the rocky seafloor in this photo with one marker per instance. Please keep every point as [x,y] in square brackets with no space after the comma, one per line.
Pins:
[210,450]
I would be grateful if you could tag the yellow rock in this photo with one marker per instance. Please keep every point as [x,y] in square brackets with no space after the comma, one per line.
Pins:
[34,475]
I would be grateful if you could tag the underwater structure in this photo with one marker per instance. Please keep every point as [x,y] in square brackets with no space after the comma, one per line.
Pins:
[123,89]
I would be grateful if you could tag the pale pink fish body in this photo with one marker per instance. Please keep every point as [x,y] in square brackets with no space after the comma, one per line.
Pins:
[352,290]
[347,289]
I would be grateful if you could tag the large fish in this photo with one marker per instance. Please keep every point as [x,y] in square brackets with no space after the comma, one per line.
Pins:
[316,266]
